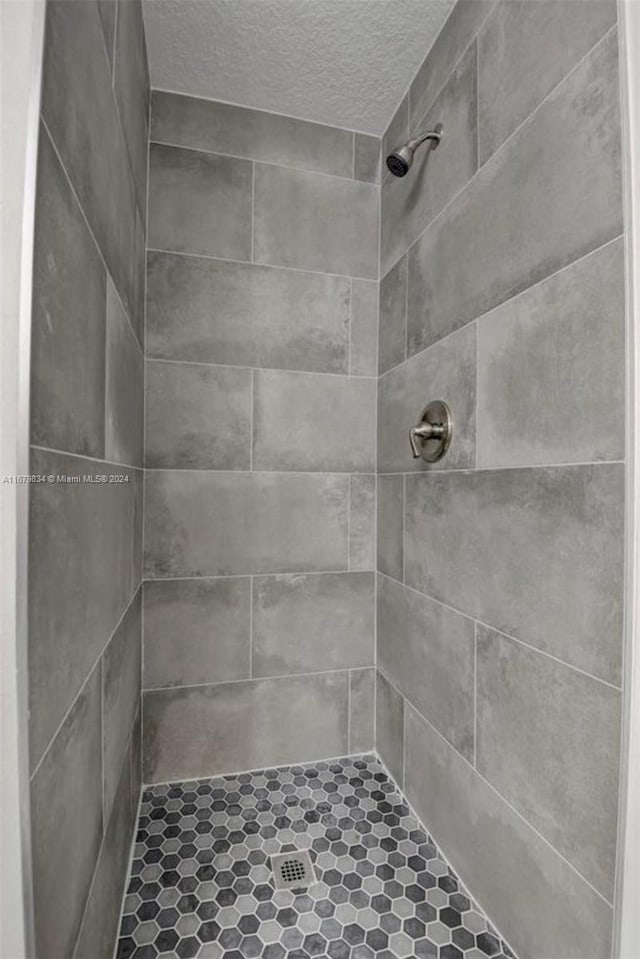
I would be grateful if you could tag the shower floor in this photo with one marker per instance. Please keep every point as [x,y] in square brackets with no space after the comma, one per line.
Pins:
[201,883]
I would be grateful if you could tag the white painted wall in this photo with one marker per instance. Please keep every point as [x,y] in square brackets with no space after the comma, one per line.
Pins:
[21,36]
[626,944]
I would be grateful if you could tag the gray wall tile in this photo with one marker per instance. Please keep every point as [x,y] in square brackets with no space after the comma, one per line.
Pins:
[131,88]
[124,387]
[427,651]
[196,631]
[478,541]
[524,216]
[121,668]
[391,526]
[446,371]
[256,134]
[68,318]
[197,416]
[463,23]
[364,328]
[393,317]
[362,697]
[75,604]
[258,320]
[207,730]
[390,728]
[206,524]
[199,203]
[66,824]
[80,112]
[536,899]
[541,724]
[308,421]
[409,203]
[312,622]
[344,213]
[366,158]
[135,762]
[107,14]
[396,133]
[525,49]
[362,522]
[102,916]
[551,380]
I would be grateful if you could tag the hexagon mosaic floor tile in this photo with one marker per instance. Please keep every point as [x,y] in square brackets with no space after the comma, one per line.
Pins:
[201,883]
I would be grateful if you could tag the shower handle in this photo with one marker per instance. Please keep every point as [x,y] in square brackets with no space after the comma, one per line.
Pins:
[431,438]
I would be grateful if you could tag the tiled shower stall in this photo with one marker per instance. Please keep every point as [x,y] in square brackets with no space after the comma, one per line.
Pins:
[294,634]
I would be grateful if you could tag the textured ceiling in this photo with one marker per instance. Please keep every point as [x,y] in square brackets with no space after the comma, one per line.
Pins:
[342,62]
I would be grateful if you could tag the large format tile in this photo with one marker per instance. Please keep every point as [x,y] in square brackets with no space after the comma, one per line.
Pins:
[538,725]
[255,134]
[121,669]
[312,622]
[80,112]
[99,928]
[309,421]
[366,158]
[524,215]
[66,824]
[362,702]
[524,50]
[206,524]
[257,311]
[206,730]
[199,203]
[391,526]
[344,214]
[124,388]
[197,631]
[131,88]
[463,23]
[446,371]
[362,521]
[364,328]
[68,321]
[536,553]
[427,651]
[409,203]
[551,372]
[535,898]
[197,416]
[393,317]
[75,604]
[390,727]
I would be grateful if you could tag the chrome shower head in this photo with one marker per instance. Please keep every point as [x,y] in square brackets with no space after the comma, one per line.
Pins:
[399,160]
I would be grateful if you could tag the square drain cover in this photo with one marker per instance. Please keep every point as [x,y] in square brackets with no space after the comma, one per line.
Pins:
[292,870]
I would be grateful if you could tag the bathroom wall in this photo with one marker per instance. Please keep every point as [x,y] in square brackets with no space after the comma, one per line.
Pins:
[85,535]
[501,567]
[261,375]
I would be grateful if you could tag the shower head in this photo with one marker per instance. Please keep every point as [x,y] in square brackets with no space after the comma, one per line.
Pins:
[399,160]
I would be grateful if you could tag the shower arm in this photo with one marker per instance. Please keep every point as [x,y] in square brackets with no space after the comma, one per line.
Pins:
[434,135]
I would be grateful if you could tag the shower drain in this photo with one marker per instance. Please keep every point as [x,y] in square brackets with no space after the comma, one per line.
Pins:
[292,870]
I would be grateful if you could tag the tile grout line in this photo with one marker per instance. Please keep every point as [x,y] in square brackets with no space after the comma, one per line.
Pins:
[440,214]
[500,632]
[516,812]
[237,157]
[335,671]
[511,298]
[261,369]
[243,106]
[258,263]
[94,666]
